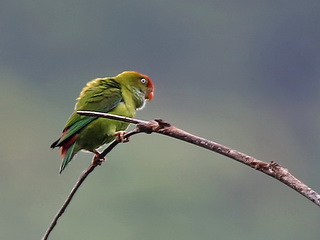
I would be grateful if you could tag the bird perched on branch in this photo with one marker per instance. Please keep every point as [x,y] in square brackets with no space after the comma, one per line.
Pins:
[120,95]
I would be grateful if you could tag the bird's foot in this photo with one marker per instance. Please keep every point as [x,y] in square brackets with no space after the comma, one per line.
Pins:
[120,137]
[97,159]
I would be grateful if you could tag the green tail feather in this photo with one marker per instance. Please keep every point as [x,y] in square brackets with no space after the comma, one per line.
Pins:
[68,157]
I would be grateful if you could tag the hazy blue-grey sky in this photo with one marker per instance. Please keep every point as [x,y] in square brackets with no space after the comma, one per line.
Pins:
[241,73]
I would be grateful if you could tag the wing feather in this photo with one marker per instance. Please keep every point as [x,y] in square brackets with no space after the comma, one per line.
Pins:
[101,95]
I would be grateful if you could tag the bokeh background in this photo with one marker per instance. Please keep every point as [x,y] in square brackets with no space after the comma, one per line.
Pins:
[241,73]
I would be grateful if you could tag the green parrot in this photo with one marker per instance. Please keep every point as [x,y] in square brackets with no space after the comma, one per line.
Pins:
[120,95]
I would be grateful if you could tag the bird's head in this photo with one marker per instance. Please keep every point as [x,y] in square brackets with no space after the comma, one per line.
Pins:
[137,82]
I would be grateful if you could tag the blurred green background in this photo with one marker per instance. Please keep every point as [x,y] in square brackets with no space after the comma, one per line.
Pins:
[241,73]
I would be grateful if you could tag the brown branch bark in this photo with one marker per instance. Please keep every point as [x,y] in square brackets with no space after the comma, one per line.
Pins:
[272,169]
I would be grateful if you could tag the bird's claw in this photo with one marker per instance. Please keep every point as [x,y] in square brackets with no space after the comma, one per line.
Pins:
[120,137]
[97,159]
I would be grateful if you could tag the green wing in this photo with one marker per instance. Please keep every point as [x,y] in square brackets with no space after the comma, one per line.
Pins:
[101,95]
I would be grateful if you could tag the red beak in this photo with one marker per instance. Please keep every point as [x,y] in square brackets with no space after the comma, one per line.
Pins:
[150,88]
[150,94]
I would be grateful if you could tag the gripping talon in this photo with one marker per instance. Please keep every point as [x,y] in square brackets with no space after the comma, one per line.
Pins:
[97,159]
[120,137]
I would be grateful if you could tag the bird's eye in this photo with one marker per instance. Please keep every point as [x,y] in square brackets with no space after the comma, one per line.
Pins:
[143,80]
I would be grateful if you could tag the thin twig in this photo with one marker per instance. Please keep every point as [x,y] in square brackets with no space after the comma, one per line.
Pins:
[112,116]
[272,169]
[159,126]
[82,177]
[80,180]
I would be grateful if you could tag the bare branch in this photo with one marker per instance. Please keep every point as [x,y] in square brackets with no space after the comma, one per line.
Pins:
[95,162]
[272,169]
[111,116]
[159,126]
[82,177]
